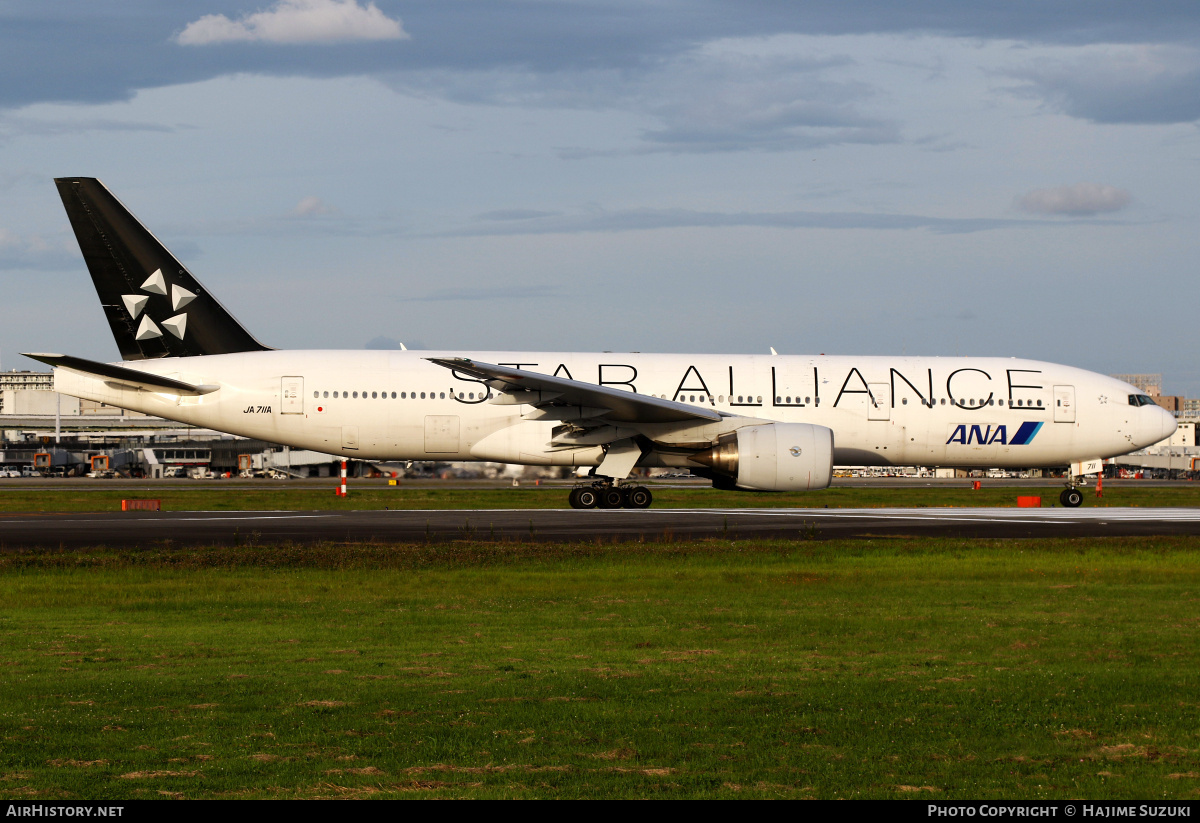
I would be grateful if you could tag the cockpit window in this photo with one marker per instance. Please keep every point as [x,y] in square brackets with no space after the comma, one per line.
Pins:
[1140,400]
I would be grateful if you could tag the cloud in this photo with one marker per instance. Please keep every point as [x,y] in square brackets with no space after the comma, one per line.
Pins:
[651,219]
[1138,84]
[13,126]
[296,21]
[734,102]
[33,251]
[311,206]
[725,96]
[498,293]
[1079,200]
[515,214]
[83,51]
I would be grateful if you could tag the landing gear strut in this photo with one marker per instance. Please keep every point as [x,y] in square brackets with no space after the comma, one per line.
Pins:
[608,495]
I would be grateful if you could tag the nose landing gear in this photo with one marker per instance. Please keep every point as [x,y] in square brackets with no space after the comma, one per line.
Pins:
[1071,498]
[610,496]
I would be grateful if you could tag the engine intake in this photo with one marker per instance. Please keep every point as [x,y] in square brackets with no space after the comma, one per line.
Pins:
[772,457]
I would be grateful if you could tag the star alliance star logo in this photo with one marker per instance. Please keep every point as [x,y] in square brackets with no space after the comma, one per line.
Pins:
[157,284]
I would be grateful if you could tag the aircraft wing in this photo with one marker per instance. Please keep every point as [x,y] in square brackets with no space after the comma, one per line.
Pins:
[542,390]
[127,378]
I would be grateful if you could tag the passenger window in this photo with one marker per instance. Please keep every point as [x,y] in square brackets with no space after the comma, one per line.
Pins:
[316,394]
[356,395]
[443,396]
[326,394]
[422,395]
[904,401]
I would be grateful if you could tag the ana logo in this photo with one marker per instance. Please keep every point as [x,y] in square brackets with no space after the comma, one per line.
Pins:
[988,435]
[795,450]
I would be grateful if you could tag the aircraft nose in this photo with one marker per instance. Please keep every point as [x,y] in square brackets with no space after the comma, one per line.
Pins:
[1167,424]
[1157,427]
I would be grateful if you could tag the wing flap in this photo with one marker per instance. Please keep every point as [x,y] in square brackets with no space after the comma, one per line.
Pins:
[619,406]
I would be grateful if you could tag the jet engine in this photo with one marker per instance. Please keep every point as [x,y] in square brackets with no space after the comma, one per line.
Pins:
[771,457]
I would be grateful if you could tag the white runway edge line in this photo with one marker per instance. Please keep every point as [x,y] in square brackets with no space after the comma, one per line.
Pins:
[981,515]
[973,515]
[1047,515]
[159,520]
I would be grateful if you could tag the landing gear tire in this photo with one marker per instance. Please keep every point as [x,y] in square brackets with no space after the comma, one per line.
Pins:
[584,498]
[611,498]
[638,497]
[1071,498]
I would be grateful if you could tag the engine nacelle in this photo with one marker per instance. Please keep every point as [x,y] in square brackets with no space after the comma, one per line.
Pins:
[773,457]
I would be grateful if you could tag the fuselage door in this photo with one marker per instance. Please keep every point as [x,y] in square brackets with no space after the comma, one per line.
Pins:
[879,404]
[291,395]
[1064,404]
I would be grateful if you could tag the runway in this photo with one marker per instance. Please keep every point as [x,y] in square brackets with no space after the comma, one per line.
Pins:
[149,529]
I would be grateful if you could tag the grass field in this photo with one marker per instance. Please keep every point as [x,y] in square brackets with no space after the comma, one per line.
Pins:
[940,669]
[278,495]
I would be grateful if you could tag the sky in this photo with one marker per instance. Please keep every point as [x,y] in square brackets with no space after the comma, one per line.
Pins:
[843,177]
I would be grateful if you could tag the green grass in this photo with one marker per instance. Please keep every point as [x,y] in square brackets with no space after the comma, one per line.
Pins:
[940,669]
[280,496]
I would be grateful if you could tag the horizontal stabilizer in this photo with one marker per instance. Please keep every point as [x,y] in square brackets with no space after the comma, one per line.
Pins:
[129,378]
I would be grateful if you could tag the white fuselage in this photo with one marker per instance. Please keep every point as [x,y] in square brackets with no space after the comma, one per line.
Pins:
[395,405]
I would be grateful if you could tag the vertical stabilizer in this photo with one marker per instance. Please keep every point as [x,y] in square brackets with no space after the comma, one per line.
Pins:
[154,306]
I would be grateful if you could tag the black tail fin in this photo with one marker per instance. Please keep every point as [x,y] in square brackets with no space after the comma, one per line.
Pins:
[153,304]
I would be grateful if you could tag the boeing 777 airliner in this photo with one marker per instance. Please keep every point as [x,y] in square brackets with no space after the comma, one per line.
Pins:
[769,422]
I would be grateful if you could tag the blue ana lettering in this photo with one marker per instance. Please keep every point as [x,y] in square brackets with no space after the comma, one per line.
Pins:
[982,435]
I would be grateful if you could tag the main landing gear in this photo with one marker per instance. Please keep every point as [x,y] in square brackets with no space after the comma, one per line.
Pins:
[1071,497]
[610,496]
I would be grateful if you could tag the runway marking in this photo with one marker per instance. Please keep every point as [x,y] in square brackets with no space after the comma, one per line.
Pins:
[1000,515]
[159,520]
[1054,516]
